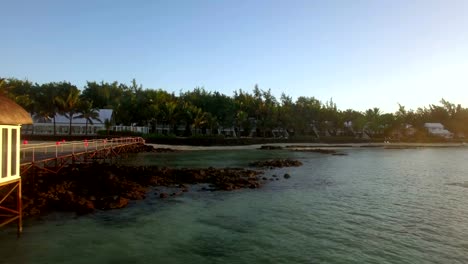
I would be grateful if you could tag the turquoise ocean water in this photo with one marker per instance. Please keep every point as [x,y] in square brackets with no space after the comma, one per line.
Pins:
[371,206]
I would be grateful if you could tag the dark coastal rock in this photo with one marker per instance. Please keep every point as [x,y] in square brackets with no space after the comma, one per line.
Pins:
[83,188]
[317,150]
[113,202]
[287,176]
[268,147]
[149,148]
[339,154]
[163,150]
[277,163]
[320,150]
[84,206]
[120,202]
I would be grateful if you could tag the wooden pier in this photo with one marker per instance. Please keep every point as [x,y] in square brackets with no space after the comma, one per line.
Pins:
[52,157]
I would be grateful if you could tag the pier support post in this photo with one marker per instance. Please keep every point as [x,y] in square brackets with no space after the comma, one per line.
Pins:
[8,212]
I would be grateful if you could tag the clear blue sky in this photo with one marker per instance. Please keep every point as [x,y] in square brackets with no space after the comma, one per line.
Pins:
[363,54]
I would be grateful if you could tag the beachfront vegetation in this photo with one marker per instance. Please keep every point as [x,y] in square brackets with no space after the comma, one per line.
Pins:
[199,112]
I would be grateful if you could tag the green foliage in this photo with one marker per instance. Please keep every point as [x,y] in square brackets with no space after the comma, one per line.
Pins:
[88,112]
[199,112]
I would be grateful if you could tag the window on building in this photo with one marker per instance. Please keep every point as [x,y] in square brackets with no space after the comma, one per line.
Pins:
[4,159]
[14,150]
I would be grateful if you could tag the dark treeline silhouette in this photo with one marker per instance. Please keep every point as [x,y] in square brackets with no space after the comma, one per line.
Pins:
[257,113]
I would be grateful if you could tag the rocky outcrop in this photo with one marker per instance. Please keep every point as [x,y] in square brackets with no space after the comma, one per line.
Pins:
[84,188]
[317,150]
[270,147]
[320,150]
[87,187]
[276,163]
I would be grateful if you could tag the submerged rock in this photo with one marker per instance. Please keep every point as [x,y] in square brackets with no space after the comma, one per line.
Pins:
[319,150]
[340,154]
[83,188]
[268,147]
[277,163]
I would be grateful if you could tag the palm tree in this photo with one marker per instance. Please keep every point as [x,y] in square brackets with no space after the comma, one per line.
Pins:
[200,118]
[4,87]
[373,118]
[68,102]
[89,113]
[242,123]
[46,102]
[171,114]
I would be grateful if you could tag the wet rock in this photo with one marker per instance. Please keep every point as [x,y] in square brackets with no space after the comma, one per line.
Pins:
[118,203]
[83,188]
[340,154]
[163,150]
[176,193]
[316,150]
[107,203]
[277,163]
[268,147]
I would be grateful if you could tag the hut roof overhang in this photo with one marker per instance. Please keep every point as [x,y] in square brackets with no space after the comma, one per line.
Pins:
[12,114]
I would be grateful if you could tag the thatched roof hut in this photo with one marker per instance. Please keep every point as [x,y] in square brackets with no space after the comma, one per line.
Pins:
[12,114]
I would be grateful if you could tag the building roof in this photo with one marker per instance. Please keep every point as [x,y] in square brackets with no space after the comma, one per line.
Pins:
[433,125]
[12,114]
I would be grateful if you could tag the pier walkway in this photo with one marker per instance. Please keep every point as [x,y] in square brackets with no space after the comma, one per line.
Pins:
[52,156]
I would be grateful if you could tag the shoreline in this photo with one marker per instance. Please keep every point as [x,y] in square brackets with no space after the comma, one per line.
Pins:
[401,145]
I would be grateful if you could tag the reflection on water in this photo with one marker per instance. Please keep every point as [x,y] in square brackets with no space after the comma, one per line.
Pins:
[372,206]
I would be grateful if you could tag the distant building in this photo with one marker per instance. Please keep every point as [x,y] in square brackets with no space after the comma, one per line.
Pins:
[437,129]
[45,126]
[135,129]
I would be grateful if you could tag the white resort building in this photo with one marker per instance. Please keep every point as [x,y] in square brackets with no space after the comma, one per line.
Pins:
[437,129]
[45,126]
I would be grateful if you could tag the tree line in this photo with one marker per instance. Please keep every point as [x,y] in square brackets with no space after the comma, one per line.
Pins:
[257,113]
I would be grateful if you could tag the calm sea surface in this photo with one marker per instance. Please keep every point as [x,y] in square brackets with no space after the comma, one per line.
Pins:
[371,206]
